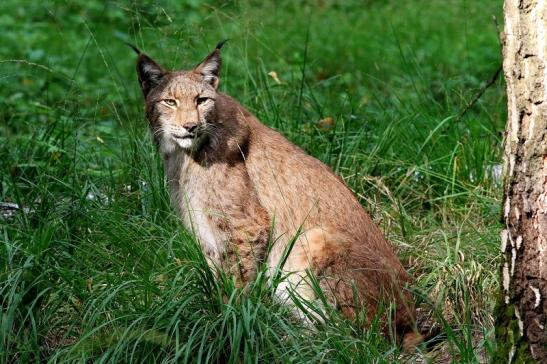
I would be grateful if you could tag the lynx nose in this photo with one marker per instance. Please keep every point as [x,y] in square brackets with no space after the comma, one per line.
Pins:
[190,126]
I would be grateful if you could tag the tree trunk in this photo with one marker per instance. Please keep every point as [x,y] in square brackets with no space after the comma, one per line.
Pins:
[522,310]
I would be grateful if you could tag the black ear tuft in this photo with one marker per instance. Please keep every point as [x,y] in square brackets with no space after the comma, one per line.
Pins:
[221,43]
[209,68]
[150,73]
[137,50]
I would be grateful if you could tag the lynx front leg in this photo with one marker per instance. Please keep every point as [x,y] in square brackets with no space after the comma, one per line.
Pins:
[245,252]
[246,227]
[238,217]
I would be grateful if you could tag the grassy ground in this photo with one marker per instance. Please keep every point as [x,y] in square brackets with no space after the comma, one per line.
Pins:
[98,268]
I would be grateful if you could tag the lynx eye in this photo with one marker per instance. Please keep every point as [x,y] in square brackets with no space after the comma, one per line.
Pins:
[170,102]
[201,100]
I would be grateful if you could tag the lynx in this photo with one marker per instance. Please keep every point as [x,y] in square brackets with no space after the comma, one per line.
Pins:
[238,184]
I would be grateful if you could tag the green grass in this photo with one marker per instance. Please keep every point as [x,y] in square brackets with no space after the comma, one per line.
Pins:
[100,269]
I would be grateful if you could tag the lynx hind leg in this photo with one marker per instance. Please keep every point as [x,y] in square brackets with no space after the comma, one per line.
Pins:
[314,251]
[339,274]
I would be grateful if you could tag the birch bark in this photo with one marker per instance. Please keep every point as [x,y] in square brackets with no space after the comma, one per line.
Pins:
[522,311]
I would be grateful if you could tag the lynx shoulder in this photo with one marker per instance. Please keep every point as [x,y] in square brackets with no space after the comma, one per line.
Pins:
[236,182]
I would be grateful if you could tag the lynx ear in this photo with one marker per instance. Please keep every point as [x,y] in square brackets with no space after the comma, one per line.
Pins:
[209,68]
[150,73]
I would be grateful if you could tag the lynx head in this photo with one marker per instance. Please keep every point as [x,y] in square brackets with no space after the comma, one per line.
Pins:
[180,105]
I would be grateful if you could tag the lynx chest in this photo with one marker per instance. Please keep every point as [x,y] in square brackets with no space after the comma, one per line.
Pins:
[189,195]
